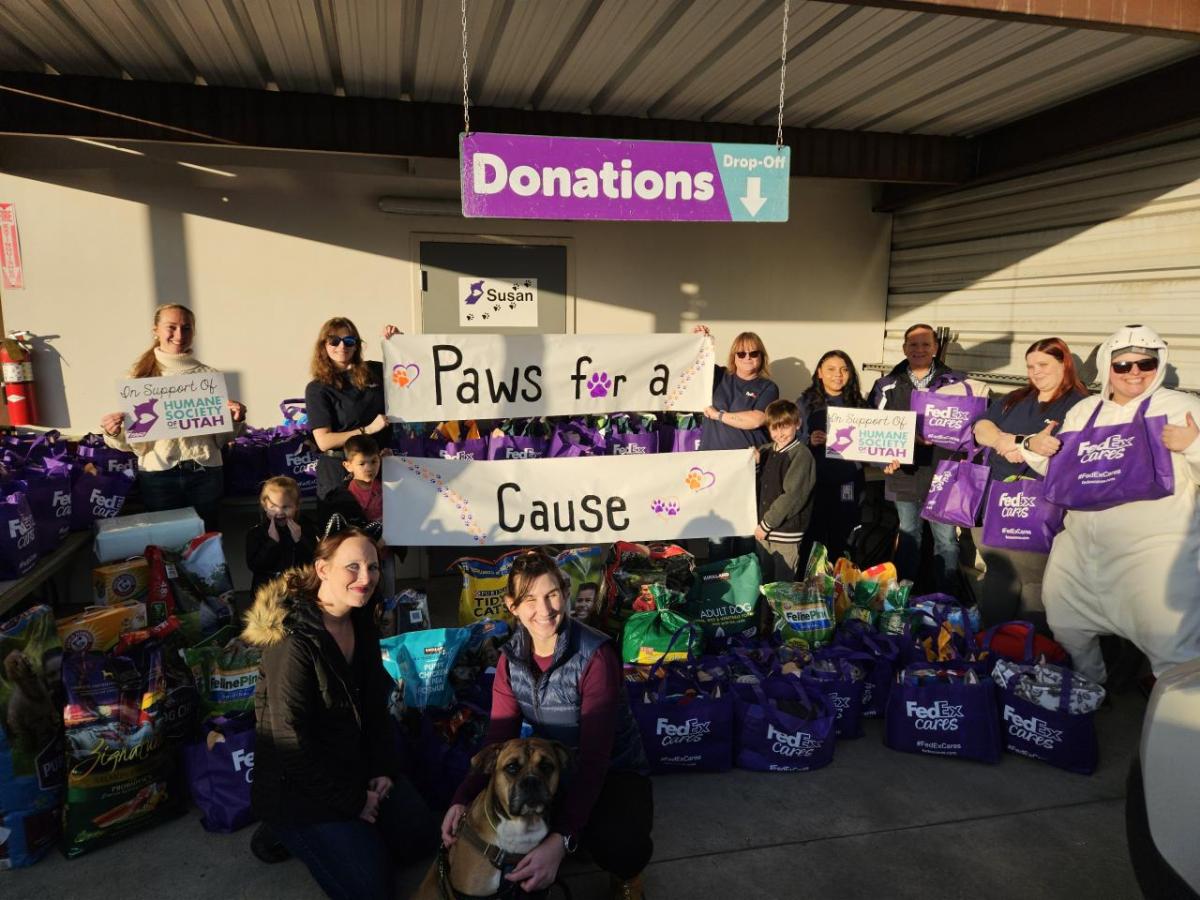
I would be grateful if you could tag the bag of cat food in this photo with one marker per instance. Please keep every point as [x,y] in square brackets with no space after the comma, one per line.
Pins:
[225,671]
[483,587]
[803,614]
[31,737]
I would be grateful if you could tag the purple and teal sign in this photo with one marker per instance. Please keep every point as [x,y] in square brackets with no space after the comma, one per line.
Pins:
[518,176]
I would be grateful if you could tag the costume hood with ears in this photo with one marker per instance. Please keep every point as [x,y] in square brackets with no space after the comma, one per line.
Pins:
[1131,336]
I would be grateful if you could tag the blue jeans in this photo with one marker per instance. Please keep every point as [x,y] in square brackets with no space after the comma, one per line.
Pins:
[911,538]
[187,484]
[356,860]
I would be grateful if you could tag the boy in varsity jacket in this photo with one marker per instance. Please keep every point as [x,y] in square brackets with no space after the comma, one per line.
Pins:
[786,476]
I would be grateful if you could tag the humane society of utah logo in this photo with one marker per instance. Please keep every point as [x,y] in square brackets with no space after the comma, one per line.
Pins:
[498,302]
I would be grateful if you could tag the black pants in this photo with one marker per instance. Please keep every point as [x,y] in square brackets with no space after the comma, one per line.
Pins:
[617,836]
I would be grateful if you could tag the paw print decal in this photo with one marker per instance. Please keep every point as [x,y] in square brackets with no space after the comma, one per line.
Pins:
[599,384]
[404,374]
[698,479]
[665,507]
[692,480]
[658,506]
[672,507]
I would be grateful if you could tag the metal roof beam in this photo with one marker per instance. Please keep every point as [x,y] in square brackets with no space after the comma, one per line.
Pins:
[1160,18]
[104,108]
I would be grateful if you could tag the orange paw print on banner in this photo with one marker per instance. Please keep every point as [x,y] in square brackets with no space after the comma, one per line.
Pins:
[693,480]
[404,374]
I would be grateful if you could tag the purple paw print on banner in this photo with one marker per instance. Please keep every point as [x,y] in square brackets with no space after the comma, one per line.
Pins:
[672,508]
[657,506]
[599,384]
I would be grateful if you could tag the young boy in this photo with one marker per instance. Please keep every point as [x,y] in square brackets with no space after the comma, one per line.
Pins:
[786,476]
[362,463]
[282,539]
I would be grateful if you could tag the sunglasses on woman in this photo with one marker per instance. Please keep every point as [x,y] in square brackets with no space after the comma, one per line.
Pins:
[336,340]
[1144,365]
[753,354]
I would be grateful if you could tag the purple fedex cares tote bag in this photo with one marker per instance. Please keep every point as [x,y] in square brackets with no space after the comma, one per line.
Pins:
[1017,516]
[946,419]
[956,492]
[1102,466]
[943,711]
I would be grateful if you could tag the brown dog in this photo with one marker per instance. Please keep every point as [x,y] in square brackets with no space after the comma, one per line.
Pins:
[503,823]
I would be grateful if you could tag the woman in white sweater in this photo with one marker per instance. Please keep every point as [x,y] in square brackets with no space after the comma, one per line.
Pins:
[1132,570]
[176,472]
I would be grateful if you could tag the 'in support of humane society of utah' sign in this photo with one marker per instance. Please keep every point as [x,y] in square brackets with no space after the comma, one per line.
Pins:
[175,406]
[518,176]
[432,378]
[870,435]
[666,496]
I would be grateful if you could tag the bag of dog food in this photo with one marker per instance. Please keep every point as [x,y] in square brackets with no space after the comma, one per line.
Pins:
[119,582]
[175,593]
[31,737]
[724,596]
[225,671]
[406,611]
[631,566]
[584,568]
[120,766]
[654,636]
[483,587]
[422,661]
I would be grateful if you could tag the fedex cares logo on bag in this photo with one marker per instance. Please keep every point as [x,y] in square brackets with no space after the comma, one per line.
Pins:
[1032,729]
[1016,506]
[950,417]
[22,530]
[799,744]
[941,716]
[940,480]
[243,764]
[1112,447]
[300,461]
[527,453]
[61,504]
[628,450]
[690,732]
[104,506]
[461,454]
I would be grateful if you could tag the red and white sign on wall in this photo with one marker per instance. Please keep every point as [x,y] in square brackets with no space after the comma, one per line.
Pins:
[10,248]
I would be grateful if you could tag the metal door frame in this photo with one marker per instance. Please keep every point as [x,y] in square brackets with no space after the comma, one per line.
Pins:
[443,237]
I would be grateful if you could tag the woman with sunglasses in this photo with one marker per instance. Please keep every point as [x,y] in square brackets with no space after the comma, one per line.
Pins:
[184,471]
[737,418]
[1130,570]
[344,398]
[562,679]
[837,497]
[1025,418]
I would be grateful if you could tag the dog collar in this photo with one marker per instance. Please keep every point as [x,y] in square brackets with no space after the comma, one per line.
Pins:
[497,856]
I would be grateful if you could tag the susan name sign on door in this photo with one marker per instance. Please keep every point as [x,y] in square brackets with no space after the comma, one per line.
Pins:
[870,435]
[433,378]
[179,406]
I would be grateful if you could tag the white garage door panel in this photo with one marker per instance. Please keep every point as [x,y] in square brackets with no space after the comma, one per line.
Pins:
[1076,253]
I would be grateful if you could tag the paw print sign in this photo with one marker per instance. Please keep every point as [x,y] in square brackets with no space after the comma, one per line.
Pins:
[404,374]
[599,384]
[665,507]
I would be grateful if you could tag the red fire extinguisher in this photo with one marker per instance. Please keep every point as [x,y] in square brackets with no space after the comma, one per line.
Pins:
[16,366]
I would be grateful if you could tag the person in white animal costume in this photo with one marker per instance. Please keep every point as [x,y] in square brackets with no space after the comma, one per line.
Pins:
[1132,570]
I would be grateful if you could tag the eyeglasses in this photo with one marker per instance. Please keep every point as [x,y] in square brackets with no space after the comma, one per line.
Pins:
[1144,365]
[335,340]
[753,354]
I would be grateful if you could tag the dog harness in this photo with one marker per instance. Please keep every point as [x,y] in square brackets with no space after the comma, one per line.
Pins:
[500,858]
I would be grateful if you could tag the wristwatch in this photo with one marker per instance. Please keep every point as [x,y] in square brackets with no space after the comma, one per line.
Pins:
[1025,442]
[570,843]
[1020,439]
[720,415]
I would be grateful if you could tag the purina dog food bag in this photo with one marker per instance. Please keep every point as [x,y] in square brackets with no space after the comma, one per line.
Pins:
[31,737]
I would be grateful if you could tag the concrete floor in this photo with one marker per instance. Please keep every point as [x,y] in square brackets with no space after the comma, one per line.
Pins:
[875,824]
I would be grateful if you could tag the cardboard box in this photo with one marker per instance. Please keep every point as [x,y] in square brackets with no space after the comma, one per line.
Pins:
[121,582]
[98,630]
[124,536]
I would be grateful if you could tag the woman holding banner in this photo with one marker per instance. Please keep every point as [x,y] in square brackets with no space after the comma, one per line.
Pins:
[176,472]
[563,679]
[344,398]
[737,418]
[1127,569]
[837,497]
[1023,419]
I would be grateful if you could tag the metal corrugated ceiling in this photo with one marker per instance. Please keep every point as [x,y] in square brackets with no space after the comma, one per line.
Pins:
[849,67]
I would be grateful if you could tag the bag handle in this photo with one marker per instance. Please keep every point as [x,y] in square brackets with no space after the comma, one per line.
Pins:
[690,628]
[1068,684]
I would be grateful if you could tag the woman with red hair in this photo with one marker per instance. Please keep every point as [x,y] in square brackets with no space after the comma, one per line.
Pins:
[1024,420]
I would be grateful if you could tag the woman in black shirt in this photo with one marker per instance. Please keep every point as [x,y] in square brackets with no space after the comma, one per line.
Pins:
[344,398]
[1017,422]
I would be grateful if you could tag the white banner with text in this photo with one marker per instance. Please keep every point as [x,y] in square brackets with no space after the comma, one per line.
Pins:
[438,377]
[590,499]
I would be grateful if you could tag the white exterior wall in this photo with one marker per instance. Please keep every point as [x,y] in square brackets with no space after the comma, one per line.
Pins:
[295,244]
[1075,252]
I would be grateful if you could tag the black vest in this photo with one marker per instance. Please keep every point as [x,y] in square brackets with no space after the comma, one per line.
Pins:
[551,701]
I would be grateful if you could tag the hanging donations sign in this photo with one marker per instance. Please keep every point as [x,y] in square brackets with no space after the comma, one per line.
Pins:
[518,176]
[179,406]
[668,496]
[870,435]
[432,378]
